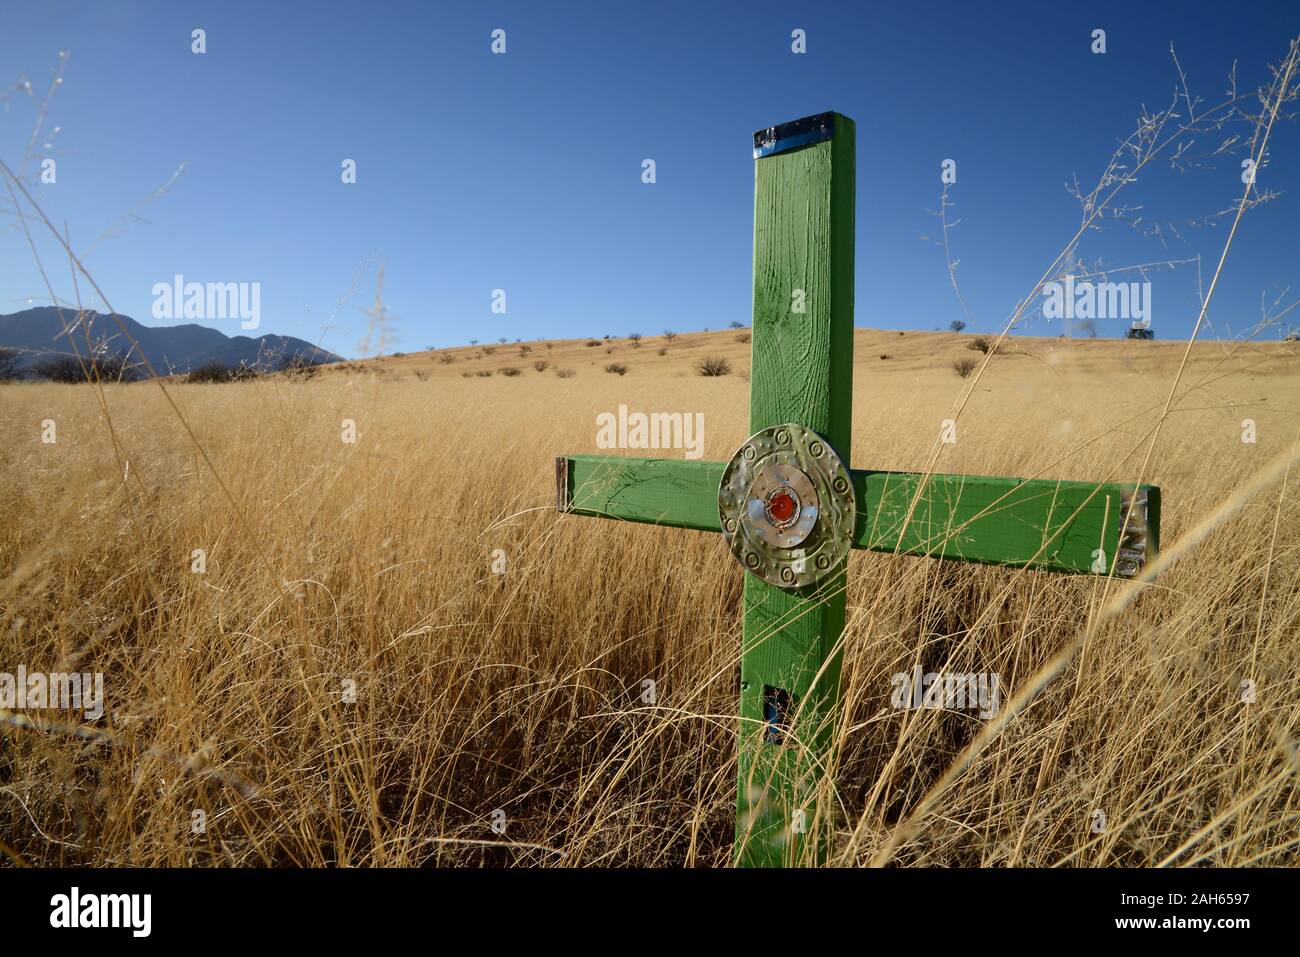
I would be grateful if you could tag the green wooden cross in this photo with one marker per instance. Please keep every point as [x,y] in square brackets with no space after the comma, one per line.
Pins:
[803,377]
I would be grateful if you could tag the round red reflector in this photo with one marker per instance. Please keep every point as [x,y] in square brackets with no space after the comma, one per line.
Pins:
[781,506]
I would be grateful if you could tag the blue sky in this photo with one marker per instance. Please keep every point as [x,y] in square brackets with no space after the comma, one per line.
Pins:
[522,171]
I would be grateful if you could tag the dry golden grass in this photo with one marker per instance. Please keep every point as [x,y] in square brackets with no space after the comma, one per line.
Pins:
[372,562]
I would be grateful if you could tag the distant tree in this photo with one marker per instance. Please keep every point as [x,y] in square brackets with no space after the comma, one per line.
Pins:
[669,335]
[9,364]
[473,342]
[503,340]
[97,368]
[209,372]
[244,372]
[956,325]
[737,325]
[112,368]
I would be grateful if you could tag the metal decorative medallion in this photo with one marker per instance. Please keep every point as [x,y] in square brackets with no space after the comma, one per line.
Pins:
[787,507]
[1133,544]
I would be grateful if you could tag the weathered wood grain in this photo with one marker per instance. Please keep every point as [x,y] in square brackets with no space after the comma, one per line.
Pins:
[1040,523]
[672,492]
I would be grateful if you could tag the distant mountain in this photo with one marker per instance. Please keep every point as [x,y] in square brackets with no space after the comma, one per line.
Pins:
[39,332]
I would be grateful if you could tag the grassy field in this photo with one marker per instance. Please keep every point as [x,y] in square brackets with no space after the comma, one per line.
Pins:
[235,598]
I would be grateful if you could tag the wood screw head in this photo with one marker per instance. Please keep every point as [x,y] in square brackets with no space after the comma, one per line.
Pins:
[751,560]
[823,562]
[787,575]
[841,485]
[816,449]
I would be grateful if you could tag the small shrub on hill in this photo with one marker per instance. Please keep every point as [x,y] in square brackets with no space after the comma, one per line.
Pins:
[713,366]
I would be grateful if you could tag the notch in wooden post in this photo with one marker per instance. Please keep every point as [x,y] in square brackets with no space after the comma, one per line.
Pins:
[777,709]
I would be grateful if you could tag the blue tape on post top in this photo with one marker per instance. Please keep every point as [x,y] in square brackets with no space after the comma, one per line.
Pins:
[792,135]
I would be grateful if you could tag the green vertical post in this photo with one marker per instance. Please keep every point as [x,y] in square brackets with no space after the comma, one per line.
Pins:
[802,372]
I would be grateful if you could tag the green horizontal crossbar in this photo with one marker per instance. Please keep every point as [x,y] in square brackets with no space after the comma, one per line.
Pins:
[672,492]
[1036,523]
